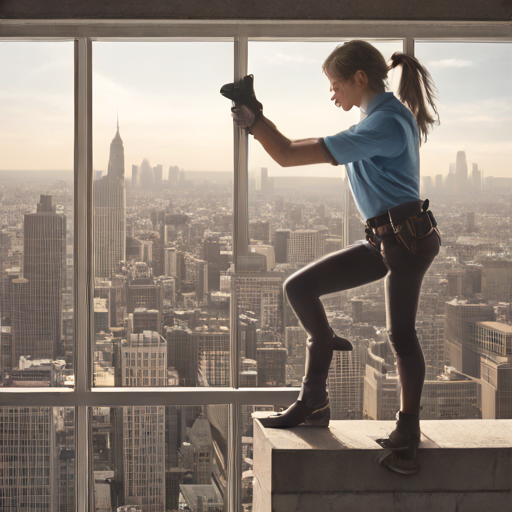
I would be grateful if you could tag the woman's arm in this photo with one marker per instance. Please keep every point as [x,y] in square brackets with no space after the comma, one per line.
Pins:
[285,152]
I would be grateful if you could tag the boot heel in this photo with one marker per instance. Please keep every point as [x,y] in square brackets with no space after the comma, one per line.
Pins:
[319,418]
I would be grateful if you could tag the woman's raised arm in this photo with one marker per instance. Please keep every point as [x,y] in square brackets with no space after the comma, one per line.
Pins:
[285,152]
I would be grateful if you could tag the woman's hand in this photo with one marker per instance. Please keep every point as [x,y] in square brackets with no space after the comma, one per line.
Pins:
[243,116]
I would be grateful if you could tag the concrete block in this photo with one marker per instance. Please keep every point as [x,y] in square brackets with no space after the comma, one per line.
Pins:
[466,466]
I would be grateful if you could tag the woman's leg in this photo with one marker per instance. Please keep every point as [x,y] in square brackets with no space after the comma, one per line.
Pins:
[402,297]
[402,291]
[351,267]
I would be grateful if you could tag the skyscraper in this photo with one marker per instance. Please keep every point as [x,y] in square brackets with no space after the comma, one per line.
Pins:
[147,175]
[144,362]
[461,173]
[264,180]
[135,177]
[109,197]
[476,179]
[29,459]
[37,297]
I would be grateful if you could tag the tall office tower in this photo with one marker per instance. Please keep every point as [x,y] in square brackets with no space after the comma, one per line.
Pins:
[451,185]
[428,187]
[248,337]
[147,178]
[6,349]
[281,237]
[174,172]
[28,451]
[170,261]
[7,278]
[304,246]
[459,315]
[144,363]
[135,177]
[211,254]
[38,315]
[491,362]
[182,354]
[264,180]
[109,198]
[439,183]
[201,280]
[271,366]
[65,442]
[345,383]
[213,357]
[476,179]
[262,294]
[158,171]
[260,230]
[461,173]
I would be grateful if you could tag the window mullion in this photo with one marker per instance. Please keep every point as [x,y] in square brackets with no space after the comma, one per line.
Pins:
[240,248]
[409,45]
[82,274]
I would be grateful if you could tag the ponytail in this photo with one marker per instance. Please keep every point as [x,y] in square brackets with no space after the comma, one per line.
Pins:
[416,89]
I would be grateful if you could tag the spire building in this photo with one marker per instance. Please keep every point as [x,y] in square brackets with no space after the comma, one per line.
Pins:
[109,197]
[37,296]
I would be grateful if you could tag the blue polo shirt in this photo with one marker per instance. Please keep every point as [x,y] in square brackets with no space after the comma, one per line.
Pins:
[381,154]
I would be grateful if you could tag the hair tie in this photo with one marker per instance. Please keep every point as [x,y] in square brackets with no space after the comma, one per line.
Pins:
[397,58]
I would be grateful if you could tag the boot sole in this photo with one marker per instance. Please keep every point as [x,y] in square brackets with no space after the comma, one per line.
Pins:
[319,418]
[389,460]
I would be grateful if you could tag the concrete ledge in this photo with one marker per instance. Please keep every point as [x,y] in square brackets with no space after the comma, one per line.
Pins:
[466,466]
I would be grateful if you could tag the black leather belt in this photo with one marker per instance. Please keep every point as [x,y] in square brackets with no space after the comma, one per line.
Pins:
[398,213]
[379,220]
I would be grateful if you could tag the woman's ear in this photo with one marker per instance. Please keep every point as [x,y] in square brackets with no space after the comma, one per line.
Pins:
[361,79]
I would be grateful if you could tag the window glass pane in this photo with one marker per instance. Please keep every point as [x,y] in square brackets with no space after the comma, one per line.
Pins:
[37,455]
[295,214]
[160,458]
[163,160]
[464,325]
[36,216]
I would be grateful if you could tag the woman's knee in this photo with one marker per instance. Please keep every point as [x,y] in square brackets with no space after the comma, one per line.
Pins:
[404,341]
[293,286]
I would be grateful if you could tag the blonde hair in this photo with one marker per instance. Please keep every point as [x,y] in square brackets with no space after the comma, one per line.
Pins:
[416,88]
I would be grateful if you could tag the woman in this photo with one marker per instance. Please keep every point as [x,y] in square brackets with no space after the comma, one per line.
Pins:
[381,154]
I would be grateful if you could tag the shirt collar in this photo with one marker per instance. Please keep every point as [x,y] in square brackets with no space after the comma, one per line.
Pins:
[377,101]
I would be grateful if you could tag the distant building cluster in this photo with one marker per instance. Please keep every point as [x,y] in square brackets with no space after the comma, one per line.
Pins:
[166,289]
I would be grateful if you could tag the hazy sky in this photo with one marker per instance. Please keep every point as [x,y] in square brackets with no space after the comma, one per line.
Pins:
[171,112]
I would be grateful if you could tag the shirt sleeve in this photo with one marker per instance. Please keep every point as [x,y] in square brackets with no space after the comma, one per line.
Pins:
[378,135]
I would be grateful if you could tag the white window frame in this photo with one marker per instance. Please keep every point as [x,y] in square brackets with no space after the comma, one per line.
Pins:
[83,33]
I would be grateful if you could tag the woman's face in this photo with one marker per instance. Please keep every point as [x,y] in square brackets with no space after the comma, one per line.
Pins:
[347,93]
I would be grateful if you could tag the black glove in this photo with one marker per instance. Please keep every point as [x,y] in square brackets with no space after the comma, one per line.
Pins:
[243,94]
[242,115]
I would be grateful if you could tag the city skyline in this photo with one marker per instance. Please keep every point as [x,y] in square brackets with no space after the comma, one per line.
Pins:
[159,114]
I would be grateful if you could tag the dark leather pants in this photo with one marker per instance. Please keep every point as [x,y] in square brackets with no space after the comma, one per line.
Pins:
[363,263]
